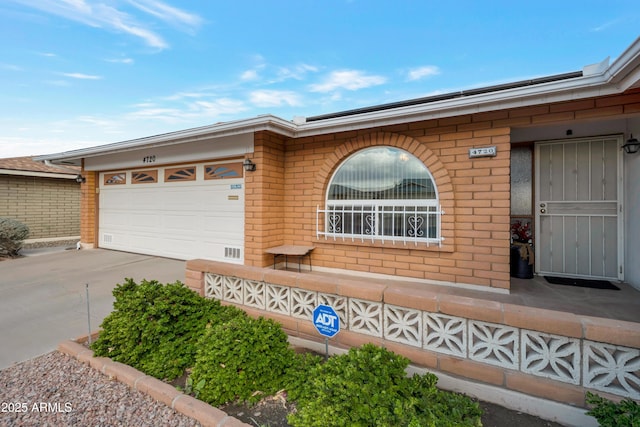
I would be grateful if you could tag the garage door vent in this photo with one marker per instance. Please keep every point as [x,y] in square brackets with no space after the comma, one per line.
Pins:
[107,238]
[232,253]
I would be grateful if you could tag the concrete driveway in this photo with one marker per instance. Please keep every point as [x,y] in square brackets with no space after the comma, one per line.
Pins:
[43,298]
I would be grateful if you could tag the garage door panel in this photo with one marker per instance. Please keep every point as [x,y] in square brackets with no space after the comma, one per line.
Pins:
[144,221]
[185,200]
[175,222]
[229,208]
[223,225]
[113,219]
[144,198]
[115,199]
[200,219]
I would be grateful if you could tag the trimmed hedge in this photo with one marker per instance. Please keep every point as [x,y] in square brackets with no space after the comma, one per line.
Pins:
[368,386]
[244,359]
[155,327]
[168,330]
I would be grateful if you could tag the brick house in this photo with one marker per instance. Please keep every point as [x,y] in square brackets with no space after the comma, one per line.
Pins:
[408,207]
[45,197]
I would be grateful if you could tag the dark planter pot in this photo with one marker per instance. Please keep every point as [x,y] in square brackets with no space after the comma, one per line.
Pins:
[520,267]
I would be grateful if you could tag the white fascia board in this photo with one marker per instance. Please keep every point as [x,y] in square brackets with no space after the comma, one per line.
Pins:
[625,69]
[235,146]
[565,90]
[265,122]
[37,174]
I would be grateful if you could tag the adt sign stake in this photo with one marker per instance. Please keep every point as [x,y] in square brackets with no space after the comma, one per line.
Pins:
[326,320]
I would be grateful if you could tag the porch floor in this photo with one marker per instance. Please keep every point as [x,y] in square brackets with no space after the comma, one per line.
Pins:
[611,304]
[537,292]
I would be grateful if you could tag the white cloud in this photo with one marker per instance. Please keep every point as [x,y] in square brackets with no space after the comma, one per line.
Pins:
[121,61]
[216,108]
[422,72]
[249,75]
[10,67]
[297,72]
[179,96]
[165,114]
[189,111]
[98,14]
[150,37]
[143,105]
[274,98]
[606,25]
[96,121]
[347,79]
[81,76]
[167,13]
[11,146]
[270,73]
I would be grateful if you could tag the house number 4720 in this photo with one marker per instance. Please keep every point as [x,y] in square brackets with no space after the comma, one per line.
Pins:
[483,152]
[149,159]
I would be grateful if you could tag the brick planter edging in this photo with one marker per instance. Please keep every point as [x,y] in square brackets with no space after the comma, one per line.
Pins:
[205,414]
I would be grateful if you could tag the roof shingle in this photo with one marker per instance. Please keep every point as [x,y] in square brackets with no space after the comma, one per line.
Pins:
[27,164]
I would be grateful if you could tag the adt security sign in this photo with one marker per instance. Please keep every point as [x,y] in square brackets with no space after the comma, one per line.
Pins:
[326,320]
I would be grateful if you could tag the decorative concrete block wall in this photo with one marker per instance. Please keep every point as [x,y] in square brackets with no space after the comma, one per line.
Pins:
[544,353]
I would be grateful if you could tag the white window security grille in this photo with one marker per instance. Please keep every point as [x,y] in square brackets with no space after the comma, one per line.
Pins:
[381,193]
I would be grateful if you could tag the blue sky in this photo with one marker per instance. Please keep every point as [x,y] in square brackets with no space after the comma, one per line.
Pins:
[79,73]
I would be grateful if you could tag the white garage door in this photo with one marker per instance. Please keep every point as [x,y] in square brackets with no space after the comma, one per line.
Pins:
[182,212]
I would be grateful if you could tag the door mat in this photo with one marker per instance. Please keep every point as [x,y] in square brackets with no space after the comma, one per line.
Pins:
[583,283]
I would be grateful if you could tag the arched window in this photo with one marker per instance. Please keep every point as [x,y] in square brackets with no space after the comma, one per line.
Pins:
[381,193]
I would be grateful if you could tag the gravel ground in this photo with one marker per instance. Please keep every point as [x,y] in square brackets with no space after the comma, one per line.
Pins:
[56,390]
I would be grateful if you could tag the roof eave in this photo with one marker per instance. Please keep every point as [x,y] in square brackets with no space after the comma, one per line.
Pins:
[621,75]
[568,90]
[219,130]
[37,174]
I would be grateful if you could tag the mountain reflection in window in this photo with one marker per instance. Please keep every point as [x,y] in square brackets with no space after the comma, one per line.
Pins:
[382,193]
[382,173]
[224,171]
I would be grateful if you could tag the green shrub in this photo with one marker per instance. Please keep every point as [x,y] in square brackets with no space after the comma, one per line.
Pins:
[12,235]
[298,376]
[155,327]
[244,359]
[609,414]
[369,387]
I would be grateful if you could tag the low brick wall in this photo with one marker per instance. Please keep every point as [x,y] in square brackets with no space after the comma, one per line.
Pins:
[543,353]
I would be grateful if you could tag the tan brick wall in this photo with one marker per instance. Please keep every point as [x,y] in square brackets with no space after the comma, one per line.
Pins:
[475,193]
[89,208]
[264,204]
[49,206]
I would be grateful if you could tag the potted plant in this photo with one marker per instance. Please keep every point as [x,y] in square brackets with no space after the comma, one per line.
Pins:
[521,250]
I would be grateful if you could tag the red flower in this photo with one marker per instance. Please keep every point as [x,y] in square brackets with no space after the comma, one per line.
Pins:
[521,232]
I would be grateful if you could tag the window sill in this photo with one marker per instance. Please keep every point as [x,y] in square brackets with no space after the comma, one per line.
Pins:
[444,246]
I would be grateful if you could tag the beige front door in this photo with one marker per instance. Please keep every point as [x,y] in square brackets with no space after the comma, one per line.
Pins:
[578,196]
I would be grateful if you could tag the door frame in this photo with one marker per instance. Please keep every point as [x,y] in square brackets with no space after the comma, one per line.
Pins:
[620,199]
